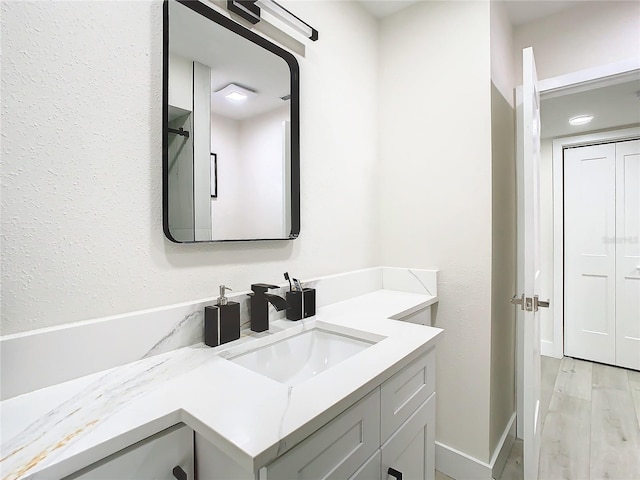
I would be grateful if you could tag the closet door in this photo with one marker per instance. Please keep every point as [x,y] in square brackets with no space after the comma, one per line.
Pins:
[628,254]
[589,219]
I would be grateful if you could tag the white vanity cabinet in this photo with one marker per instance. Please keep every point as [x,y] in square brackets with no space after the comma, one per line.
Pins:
[391,427]
[338,449]
[168,455]
[407,421]
[411,449]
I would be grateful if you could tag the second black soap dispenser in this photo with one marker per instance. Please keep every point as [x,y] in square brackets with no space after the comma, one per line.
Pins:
[222,321]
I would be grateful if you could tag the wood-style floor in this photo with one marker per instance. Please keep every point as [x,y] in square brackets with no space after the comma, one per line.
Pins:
[590,424]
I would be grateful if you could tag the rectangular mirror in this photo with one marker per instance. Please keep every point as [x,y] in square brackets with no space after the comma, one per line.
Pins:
[231,133]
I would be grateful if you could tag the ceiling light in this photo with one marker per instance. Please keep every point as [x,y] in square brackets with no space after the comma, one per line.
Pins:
[236,93]
[581,119]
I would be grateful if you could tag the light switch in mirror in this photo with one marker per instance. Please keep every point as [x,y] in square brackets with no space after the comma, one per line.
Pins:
[231,133]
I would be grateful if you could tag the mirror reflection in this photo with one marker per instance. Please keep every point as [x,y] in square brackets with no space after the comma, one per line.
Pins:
[231,144]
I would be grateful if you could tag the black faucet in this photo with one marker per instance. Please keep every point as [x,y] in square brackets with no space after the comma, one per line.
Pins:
[260,301]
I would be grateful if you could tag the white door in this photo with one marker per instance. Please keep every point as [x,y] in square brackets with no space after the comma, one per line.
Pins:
[528,165]
[628,254]
[590,252]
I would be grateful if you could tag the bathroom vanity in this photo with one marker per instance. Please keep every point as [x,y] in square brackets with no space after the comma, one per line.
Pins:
[361,405]
[391,429]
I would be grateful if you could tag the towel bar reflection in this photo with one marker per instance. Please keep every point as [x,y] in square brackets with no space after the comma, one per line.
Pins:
[179,131]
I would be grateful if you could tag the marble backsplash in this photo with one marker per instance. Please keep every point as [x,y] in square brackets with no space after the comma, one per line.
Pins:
[39,358]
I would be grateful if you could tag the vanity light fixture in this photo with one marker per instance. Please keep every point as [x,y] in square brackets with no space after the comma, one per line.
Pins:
[247,9]
[580,120]
[236,93]
[281,13]
[250,11]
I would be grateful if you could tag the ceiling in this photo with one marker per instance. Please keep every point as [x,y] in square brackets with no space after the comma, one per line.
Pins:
[260,70]
[525,11]
[519,11]
[612,103]
[384,8]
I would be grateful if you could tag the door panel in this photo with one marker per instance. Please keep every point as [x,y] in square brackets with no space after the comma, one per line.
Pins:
[628,254]
[590,248]
[528,119]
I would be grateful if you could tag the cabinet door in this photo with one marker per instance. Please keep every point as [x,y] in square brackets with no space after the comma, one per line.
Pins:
[153,458]
[411,450]
[403,393]
[370,470]
[213,464]
[338,449]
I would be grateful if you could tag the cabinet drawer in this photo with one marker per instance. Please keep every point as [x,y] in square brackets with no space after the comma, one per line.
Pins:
[411,450]
[154,457]
[403,393]
[337,449]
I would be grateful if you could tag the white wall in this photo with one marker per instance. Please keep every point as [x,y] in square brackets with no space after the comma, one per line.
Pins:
[585,36]
[546,238]
[262,158]
[81,164]
[251,175]
[502,52]
[180,82]
[435,191]
[201,131]
[503,221]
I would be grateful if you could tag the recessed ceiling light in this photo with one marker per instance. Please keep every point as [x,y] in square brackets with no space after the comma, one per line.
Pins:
[581,119]
[236,96]
[236,93]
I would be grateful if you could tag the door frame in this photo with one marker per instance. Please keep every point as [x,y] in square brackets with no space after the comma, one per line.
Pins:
[556,348]
[554,86]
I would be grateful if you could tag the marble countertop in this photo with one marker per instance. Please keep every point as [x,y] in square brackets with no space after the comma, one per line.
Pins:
[55,431]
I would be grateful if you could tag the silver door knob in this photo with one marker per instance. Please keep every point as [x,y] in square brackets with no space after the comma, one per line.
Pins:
[518,300]
[540,303]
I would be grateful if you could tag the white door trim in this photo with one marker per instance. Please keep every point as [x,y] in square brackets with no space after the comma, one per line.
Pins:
[588,75]
[559,145]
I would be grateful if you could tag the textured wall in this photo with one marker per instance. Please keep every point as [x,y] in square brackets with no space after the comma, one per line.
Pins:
[503,220]
[503,266]
[81,164]
[435,207]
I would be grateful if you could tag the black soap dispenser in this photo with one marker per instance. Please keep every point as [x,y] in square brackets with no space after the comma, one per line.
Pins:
[222,321]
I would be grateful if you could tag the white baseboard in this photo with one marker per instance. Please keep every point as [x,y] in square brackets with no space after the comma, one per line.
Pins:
[461,466]
[501,454]
[547,348]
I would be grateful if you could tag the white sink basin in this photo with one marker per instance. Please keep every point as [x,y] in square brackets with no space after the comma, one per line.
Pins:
[300,357]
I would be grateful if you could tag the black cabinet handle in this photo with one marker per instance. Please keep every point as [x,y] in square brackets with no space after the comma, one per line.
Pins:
[394,473]
[179,473]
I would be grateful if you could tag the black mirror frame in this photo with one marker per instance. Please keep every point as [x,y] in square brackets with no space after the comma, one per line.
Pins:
[294,68]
